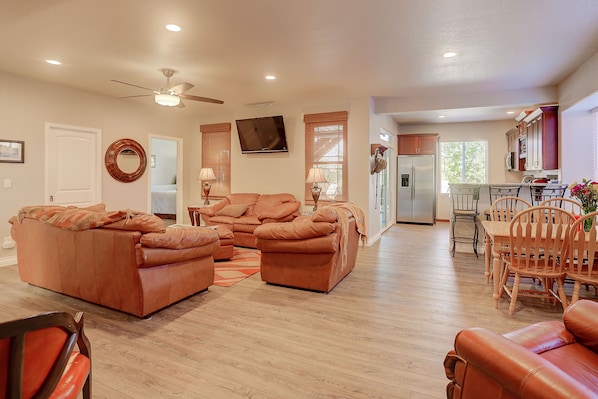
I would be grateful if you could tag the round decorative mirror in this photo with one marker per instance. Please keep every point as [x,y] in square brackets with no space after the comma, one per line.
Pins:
[125,160]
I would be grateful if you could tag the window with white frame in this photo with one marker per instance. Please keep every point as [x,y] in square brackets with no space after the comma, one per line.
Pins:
[463,162]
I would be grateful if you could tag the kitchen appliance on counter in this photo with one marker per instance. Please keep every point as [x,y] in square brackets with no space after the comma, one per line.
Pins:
[416,189]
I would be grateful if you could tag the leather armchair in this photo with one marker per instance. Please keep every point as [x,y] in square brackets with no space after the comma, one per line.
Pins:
[313,253]
[45,356]
[548,359]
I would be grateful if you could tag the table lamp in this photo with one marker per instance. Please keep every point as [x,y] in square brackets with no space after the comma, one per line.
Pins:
[315,176]
[206,175]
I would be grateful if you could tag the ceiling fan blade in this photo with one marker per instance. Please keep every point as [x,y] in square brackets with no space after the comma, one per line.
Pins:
[181,105]
[204,99]
[139,95]
[183,87]
[131,84]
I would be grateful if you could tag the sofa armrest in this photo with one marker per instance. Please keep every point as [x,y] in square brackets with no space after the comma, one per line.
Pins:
[581,319]
[212,209]
[485,356]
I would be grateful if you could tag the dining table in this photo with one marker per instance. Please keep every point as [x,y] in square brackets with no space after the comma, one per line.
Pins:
[497,237]
[497,241]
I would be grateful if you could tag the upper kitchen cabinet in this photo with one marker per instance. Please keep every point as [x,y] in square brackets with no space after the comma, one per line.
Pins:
[541,134]
[418,144]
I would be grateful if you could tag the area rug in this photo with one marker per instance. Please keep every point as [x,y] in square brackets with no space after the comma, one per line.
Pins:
[244,263]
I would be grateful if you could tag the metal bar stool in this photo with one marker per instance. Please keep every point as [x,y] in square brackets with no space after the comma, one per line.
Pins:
[543,192]
[501,191]
[464,207]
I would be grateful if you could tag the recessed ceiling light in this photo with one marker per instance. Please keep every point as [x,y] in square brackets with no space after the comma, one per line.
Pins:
[440,116]
[510,112]
[449,54]
[54,62]
[270,77]
[173,28]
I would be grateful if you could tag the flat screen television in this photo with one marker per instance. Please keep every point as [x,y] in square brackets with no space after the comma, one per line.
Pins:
[265,134]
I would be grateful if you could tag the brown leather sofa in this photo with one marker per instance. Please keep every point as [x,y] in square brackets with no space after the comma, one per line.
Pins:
[550,359]
[313,253]
[122,260]
[242,213]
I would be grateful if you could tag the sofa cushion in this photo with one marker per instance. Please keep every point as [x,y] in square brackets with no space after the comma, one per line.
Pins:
[233,210]
[179,238]
[142,222]
[247,220]
[279,211]
[303,227]
[222,220]
[267,202]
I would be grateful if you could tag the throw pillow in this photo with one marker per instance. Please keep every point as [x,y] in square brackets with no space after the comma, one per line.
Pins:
[234,211]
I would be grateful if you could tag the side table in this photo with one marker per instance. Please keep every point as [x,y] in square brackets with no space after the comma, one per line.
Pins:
[194,214]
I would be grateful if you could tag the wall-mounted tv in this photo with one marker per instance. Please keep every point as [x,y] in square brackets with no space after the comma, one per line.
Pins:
[265,134]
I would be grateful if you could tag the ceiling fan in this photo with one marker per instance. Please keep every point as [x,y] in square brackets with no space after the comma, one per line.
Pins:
[170,96]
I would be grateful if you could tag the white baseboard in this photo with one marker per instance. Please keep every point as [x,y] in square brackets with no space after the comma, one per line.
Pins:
[8,261]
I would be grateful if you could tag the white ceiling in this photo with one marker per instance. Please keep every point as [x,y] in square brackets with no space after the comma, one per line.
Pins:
[322,51]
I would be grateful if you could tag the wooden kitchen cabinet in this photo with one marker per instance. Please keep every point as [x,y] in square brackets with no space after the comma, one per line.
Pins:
[417,144]
[541,131]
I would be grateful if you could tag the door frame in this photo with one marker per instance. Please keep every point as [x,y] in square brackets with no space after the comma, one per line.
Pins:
[179,175]
[99,159]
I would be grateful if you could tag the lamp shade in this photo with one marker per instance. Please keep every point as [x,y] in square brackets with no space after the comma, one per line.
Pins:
[168,100]
[316,175]
[206,174]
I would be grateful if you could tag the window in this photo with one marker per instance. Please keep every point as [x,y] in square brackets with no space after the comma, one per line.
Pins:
[326,148]
[215,154]
[463,162]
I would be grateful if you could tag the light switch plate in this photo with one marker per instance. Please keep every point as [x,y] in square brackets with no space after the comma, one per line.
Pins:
[7,183]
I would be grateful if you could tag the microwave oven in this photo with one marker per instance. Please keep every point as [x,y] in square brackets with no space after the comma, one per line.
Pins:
[510,160]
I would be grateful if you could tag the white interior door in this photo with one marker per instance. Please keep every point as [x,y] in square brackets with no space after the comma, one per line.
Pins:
[73,165]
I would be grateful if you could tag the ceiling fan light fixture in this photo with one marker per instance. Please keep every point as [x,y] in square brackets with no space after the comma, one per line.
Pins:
[167,100]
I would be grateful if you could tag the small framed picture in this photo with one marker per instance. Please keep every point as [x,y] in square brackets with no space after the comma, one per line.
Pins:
[12,151]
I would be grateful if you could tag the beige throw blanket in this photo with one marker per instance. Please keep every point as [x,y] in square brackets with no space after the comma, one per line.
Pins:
[341,209]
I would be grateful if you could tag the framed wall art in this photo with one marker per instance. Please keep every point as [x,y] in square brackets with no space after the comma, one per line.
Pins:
[12,151]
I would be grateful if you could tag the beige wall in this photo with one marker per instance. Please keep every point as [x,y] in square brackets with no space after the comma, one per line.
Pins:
[32,103]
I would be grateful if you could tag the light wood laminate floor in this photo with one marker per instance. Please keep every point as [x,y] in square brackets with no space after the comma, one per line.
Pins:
[382,332]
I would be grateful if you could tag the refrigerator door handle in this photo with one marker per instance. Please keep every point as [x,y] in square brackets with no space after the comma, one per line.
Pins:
[412,182]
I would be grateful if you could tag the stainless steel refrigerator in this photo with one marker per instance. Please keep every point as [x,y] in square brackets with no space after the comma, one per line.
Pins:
[416,189]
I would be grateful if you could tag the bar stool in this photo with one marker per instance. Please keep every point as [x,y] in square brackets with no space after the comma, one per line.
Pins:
[501,191]
[543,192]
[464,207]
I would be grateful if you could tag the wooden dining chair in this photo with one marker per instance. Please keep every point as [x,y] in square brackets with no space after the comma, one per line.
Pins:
[582,265]
[538,247]
[503,209]
[39,357]
[568,204]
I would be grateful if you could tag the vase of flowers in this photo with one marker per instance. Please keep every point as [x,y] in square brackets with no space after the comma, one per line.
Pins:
[587,194]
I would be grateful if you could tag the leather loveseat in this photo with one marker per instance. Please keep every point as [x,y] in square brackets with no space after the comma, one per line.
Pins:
[312,252]
[123,260]
[242,213]
[549,359]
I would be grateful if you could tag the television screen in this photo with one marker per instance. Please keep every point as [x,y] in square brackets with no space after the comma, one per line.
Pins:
[264,134]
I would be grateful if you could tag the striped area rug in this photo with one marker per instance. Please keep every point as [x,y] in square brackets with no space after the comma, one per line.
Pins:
[244,263]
